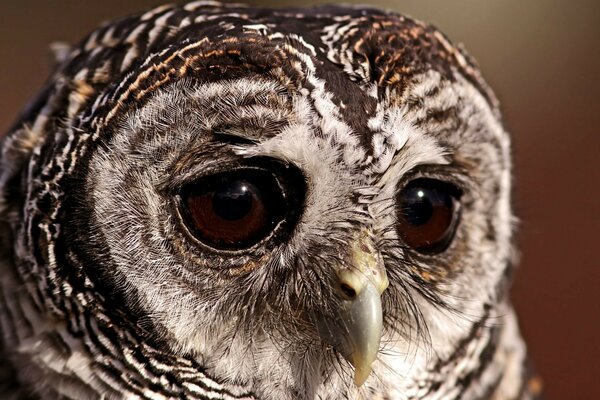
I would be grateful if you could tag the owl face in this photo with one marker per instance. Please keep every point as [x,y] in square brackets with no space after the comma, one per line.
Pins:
[301,215]
[233,210]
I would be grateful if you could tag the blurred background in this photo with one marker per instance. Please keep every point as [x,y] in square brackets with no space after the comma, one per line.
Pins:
[542,57]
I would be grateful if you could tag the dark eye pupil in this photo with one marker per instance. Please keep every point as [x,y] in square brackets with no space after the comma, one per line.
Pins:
[417,207]
[428,214]
[233,201]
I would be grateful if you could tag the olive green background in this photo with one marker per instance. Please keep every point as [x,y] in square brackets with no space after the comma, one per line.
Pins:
[542,57]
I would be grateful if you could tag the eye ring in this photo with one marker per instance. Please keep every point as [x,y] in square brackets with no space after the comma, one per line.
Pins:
[428,214]
[238,209]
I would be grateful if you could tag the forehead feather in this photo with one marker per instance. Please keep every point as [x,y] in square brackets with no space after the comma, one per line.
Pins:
[122,63]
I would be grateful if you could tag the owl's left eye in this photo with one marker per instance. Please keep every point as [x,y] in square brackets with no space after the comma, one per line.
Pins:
[428,214]
[235,210]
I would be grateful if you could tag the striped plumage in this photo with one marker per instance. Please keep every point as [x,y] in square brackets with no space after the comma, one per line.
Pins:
[103,294]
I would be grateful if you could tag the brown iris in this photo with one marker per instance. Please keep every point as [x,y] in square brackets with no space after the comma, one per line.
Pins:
[428,214]
[233,210]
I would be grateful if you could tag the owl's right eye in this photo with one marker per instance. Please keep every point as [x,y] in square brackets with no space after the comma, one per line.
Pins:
[235,210]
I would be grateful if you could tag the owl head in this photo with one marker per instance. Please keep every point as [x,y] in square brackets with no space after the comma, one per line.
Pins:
[216,200]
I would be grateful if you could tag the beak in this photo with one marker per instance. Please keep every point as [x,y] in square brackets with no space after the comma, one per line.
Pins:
[356,333]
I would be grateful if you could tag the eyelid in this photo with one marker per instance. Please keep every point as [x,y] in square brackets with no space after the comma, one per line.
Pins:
[195,165]
[233,138]
[451,174]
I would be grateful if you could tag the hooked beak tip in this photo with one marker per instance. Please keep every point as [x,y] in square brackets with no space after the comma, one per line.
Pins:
[360,375]
[364,323]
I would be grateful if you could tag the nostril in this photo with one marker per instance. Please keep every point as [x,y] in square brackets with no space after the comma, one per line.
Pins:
[348,290]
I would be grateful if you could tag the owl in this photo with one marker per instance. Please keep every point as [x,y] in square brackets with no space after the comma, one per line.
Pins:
[214,201]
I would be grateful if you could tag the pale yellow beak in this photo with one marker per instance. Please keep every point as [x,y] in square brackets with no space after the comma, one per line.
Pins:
[360,323]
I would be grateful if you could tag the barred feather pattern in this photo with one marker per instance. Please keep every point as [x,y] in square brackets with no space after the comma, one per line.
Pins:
[101,296]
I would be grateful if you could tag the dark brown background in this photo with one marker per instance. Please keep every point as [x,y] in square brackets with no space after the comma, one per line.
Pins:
[543,59]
